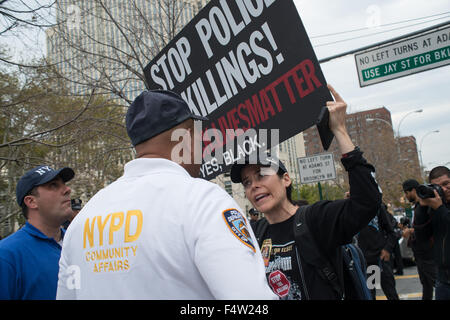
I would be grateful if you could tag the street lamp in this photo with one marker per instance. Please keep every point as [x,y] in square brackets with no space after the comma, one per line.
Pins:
[399,124]
[378,119]
[420,152]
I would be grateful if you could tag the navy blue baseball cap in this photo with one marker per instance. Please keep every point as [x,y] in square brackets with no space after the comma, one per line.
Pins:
[39,176]
[264,160]
[156,111]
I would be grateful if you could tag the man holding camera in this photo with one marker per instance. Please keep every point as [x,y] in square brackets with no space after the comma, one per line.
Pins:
[421,247]
[434,203]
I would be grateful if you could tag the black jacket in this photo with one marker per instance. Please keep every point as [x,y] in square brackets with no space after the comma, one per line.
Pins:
[378,235]
[439,231]
[421,241]
[334,223]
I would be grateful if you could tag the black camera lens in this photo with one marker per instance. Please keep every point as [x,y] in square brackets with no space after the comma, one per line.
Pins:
[425,191]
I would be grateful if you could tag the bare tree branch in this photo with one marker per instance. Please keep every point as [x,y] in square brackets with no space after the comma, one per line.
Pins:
[16,13]
[36,134]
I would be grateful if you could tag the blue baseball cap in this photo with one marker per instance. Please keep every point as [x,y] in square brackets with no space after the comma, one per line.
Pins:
[156,111]
[39,176]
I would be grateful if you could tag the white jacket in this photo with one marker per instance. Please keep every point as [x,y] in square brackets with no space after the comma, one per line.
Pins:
[158,233]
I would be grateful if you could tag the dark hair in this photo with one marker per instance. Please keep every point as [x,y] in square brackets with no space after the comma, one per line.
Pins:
[438,172]
[280,174]
[409,184]
[32,192]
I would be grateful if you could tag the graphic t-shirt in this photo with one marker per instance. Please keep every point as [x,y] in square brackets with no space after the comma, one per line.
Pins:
[280,258]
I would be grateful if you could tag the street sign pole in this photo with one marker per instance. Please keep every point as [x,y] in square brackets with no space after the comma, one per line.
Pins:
[320,190]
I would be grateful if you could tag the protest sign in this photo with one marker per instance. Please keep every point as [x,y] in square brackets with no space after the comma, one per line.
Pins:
[247,65]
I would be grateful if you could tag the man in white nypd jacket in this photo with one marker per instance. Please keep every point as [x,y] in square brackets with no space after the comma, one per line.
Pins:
[158,232]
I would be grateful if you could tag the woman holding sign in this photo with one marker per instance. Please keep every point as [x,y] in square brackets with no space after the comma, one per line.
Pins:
[302,246]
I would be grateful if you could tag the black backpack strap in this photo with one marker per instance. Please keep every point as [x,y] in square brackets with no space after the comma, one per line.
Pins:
[259,228]
[311,253]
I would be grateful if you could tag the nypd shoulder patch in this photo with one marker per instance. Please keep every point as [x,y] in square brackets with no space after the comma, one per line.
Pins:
[238,226]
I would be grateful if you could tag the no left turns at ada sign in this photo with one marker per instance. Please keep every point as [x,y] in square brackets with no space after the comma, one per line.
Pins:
[405,57]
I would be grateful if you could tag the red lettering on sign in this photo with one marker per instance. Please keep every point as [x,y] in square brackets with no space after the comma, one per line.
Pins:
[260,107]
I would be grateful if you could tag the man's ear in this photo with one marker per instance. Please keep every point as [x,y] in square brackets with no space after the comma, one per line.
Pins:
[30,202]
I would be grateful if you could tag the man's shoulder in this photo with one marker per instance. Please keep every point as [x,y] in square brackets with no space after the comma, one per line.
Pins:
[14,243]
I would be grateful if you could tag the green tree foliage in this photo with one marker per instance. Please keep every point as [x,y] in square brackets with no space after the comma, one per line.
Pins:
[310,192]
[41,124]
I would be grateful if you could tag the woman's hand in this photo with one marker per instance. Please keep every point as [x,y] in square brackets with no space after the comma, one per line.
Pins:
[336,122]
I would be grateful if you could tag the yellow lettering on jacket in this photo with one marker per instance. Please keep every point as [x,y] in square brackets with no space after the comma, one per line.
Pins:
[115,227]
[112,223]
[101,227]
[138,215]
[89,233]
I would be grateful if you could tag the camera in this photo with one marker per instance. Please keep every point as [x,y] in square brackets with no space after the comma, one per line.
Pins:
[405,222]
[426,191]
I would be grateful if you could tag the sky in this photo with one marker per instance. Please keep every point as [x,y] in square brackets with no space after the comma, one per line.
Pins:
[427,90]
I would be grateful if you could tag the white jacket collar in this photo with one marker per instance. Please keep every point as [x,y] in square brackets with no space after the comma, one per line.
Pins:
[144,166]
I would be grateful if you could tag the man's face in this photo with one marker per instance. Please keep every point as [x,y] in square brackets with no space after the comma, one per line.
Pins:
[53,201]
[444,182]
[411,195]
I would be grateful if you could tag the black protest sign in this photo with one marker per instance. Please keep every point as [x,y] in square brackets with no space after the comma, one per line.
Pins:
[247,65]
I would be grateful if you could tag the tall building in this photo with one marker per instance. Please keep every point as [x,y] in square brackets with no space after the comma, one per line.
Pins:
[106,44]
[360,127]
[409,154]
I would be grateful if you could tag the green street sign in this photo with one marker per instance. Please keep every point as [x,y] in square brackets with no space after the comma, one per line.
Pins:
[404,57]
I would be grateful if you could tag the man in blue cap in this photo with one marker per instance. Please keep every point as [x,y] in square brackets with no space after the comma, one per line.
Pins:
[29,258]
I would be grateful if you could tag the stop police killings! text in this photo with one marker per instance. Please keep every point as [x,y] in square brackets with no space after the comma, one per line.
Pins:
[233,70]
